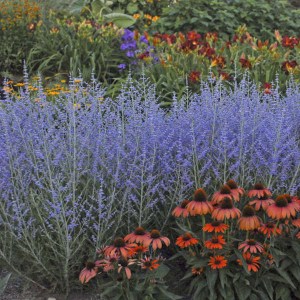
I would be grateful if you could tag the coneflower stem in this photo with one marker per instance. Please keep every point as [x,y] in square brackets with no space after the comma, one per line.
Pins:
[203,224]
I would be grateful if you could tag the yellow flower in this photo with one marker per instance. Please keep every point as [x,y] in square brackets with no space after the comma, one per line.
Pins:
[136,16]
[155,18]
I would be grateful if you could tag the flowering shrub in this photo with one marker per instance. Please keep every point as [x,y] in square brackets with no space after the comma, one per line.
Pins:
[173,60]
[81,169]
[232,254]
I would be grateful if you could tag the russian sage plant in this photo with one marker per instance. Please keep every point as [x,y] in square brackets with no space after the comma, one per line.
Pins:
[79,171]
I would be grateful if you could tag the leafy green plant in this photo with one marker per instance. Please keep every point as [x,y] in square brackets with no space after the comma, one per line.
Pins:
[261,17]
[4,282]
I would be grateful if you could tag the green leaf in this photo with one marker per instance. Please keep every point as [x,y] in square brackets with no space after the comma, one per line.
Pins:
[121,20]
[168,294]
[132,8]
[162,271]
[223,277]
[282,292]
[243,291]
[4,282]
[285,275]
[211,281]
[269,288]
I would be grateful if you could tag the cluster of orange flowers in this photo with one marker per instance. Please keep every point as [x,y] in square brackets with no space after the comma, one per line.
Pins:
[13,13]
[125,253]
[261,215]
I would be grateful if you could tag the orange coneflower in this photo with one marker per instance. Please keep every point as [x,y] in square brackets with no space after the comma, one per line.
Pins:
[89,272]
[248,221]
[149,263]
[123,263]
[236,191]
[138,236]
[270,228]
[137,250]
[181,210]
[217,262]
[216,242]
[200,204]
[197,270]
[296,223]
[224,192]
[259,191]
[156,240]
[251,261]
[186,240]
[108,263]
[119,247]
[251,245]
[262,202]
[226,210]
[215,226]
[298,235]
[282,209]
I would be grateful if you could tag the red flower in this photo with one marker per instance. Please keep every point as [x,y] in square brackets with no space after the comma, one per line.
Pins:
[259,191]
[224,192]
[282,209]
[215,226]
[119,247]
[156,240]
[289,66]
[262,202]
[252,246]
[149,263]
[200,204]
[138,236]
[289,42]
[181,210]
[194,76]
[124,263]
[226,210]
[269,228]
[216,242]
[251,261]
[267,88]
[89,272]
[236,191]
[217,262]
[245,63]
[248,221]
[186,240]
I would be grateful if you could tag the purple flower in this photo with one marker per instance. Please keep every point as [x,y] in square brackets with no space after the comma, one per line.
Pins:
[122,66]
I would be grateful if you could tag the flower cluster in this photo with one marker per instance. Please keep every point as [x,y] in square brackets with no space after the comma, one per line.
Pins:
[133,258]
[263,219]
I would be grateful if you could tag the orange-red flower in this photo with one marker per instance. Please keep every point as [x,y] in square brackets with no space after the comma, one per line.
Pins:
[124,263]
[149,263]
[217,262]
[194,76]
[89,272]
[259,191]
[251,245]
[108,263]
[186,240]
[224,192]
[200,204]
[181,210]
[298,235]
[215,226]
[226,210]
[289,42]
[197,270]
[251,261]
[262,202]
[216,242]
[289,66]
[137,250]
[269,229]
[296,223]
[156,240]
[138,236]
[245,63]
[282,209]
[236,191]
[248,221]
[119,247]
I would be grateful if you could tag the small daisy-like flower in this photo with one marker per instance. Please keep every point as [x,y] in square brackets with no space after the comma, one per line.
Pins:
[186,240]
[108,263]
[89,272]
[282,209]
[216,242]
[269,229]
[197,270]
[124,263]
[181,210]
[226,210]
[261,202]
[200,204]
[156,240]
[215,226]
[119,247]
[259,191]
[149,263]
[138,236]
[248,221]
[217,262]
[236,191]
[252,246]
[224,192]
[251,261]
